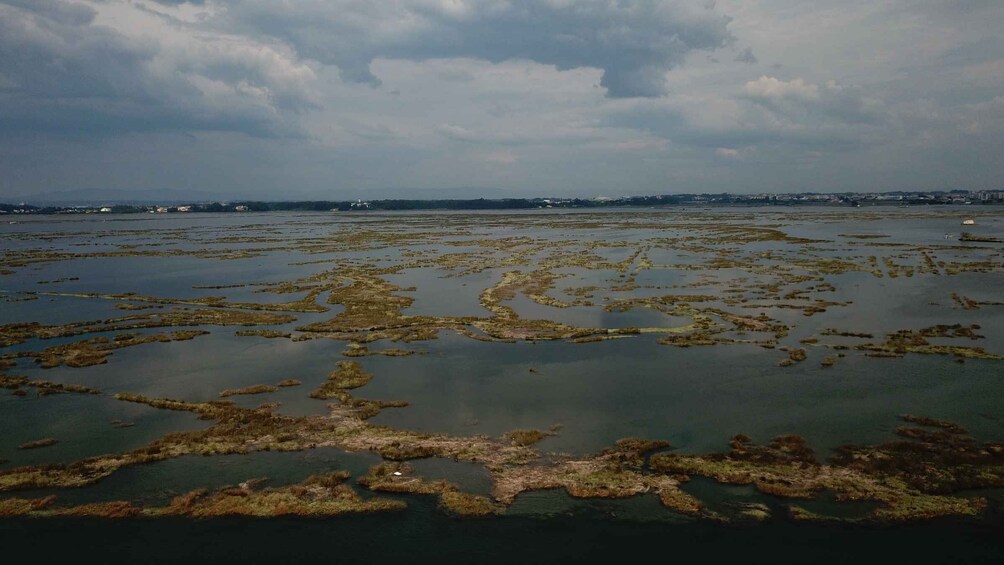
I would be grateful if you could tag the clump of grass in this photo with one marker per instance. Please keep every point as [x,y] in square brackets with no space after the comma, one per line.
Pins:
[348,375]
[399,478]
[404,451]
[467,505]
[271,334]
[358,350]
[255,389]
[318,495]
[526,437]
[116,509]
[87,352]
[10,507]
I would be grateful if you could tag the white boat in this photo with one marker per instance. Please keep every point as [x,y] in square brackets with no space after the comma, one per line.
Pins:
[969,222]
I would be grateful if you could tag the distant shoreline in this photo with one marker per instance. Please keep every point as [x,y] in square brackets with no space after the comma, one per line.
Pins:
[953,198]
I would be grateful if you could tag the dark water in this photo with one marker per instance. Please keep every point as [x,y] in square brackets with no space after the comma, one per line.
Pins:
[426,536]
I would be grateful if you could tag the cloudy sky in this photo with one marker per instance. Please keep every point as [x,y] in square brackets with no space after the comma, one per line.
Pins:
[349,98]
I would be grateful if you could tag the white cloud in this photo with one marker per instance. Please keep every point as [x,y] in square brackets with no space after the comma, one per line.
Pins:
[767,87]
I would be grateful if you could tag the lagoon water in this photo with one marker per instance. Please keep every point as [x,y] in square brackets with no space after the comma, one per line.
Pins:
[66,269]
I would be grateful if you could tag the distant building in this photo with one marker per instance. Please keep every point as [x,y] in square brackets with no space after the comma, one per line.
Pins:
[106,209]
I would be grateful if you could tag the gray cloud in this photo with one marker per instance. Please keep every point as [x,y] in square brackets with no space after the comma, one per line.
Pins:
[799,101]
[634,42]
[63,72]
[73,14]
[587,97]
[746,56]
[766,112]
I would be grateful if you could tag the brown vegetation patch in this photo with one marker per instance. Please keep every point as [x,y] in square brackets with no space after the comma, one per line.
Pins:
[255,389]
[318,495]
[400,478]
[39,443]
[912,478]
[271,334]
[348,375]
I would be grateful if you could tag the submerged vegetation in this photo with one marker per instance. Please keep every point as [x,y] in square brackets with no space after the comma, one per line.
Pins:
[46,442]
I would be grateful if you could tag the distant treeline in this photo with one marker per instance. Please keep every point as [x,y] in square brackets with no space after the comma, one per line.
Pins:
[475,204]
[852,199]
[345,206]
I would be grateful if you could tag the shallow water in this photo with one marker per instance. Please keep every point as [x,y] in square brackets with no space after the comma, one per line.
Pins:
[695,397]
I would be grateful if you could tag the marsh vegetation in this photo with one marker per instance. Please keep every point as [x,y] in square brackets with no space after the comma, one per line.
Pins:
[367,299]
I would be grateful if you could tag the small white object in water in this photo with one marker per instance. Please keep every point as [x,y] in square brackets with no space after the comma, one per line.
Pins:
[397,473]
[969,222]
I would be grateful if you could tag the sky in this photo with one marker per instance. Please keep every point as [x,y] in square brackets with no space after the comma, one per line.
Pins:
[337,99]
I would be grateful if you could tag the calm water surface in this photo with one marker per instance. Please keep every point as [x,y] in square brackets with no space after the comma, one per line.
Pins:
[696,397]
